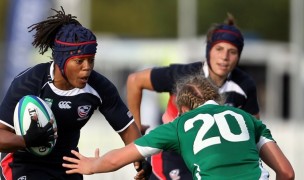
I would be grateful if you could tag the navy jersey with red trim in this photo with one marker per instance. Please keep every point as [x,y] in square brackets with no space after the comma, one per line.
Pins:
[239,88]
[72,108]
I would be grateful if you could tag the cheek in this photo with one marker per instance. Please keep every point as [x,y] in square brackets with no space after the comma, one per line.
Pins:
[212,53]
[71,72]
[234,60]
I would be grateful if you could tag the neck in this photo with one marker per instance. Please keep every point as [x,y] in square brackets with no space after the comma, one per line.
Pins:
[59,81]
[217,80]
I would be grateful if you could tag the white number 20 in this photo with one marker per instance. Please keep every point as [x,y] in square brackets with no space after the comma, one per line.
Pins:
[225,132]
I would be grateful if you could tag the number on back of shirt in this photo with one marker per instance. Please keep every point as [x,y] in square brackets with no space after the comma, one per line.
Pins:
[220,121]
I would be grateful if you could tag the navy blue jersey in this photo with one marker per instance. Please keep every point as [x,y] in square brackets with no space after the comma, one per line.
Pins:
[239,88]
[72,108]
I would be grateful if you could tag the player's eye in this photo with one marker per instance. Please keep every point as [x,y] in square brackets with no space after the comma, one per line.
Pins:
[78,61]
[234,52]
[91,60]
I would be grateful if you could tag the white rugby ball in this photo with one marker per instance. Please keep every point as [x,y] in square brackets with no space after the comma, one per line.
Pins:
[22,118]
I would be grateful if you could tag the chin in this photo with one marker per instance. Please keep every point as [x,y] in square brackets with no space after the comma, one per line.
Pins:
[222,73]
[80,86]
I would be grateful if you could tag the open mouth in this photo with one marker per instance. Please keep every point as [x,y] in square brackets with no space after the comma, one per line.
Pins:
[84,79]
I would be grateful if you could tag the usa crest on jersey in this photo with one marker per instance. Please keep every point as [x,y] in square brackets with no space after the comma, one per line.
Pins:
[83,111]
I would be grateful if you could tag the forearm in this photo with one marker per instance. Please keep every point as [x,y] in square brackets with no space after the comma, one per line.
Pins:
[134,97]
[136,83]
[10,142]
[106,163]
[272,155]
[115,159]
[130,134]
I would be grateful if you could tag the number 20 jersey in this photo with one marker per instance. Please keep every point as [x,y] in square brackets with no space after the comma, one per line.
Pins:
[216,142]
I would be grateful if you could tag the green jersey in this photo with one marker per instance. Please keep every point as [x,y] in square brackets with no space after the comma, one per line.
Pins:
[216,142]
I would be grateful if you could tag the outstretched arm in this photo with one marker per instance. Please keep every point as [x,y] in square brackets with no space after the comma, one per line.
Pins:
[111,161]
[272,155]
[136,83]
[142,167]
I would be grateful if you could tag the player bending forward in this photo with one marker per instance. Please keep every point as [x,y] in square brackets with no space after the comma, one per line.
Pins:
[215,141]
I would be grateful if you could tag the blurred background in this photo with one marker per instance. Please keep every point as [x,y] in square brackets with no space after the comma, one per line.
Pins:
[133,35]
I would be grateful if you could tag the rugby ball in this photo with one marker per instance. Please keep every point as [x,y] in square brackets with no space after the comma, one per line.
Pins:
[22,118]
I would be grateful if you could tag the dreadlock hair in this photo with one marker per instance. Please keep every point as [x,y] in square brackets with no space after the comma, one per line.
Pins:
[195,90]
[46,30]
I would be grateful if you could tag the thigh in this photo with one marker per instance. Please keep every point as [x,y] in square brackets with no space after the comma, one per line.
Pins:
[175,167]
[6,170]
[169,166]
[22,171]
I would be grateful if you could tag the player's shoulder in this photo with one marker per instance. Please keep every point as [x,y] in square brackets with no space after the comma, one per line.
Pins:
[101,83]
[191,66]
[31,80]
[97,78]
[181,70]
[237,110]
[239,76]
[38,69]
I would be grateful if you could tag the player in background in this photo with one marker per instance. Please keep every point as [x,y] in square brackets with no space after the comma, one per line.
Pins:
[215,141]
[73,90]
[224,47]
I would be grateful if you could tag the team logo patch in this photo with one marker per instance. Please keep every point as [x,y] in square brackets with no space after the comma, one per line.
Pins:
[174,174]
[83,111]
[22,178]
[129,114]
[49,102]
[65,104]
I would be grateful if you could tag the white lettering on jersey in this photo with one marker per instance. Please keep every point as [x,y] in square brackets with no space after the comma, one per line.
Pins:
[64,104]
[197,174]
[22,178]
[218,119]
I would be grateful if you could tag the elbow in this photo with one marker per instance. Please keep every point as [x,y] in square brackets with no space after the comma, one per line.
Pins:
[131,80]
[290,175]
[286,175]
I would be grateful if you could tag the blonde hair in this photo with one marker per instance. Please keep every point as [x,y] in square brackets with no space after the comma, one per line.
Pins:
[193,91]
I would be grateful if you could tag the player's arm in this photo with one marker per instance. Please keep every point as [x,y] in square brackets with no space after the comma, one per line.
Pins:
[272,155]
[128,136]
[35,136]
[111,161]
[136,83]
[130,133]
[257,116]
[9,141]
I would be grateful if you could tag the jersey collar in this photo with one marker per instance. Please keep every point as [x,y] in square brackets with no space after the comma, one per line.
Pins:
[206,70]
[51,73]
[209,102]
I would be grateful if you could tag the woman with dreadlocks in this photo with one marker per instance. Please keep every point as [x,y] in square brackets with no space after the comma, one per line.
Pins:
[72,89]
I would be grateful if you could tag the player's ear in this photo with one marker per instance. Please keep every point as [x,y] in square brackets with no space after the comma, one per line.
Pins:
[184,109]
